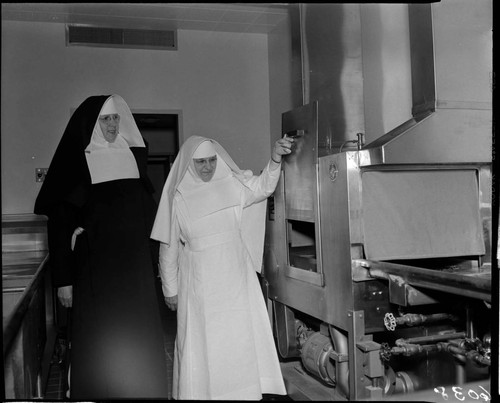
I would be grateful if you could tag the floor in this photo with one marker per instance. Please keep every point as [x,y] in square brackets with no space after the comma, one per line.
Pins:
[56,385]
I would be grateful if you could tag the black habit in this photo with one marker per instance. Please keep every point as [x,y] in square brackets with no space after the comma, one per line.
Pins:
[117,348]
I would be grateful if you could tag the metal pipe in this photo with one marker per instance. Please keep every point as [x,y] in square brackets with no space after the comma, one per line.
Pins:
[487,341]
[469,315]
[478,358]
[460,373]
[461,353]
[432,338]
[376,273]
[360,140]
[472,355]
[415,319]
[340,345]
[453,283]
[39,388]
[413,349]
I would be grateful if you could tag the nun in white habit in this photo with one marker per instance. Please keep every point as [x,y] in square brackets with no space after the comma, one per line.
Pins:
[210,223]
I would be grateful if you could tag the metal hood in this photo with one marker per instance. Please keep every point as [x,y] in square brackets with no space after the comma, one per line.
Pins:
[451,72]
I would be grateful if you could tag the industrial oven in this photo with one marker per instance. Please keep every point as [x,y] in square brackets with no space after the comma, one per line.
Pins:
[379,270]
[377,257]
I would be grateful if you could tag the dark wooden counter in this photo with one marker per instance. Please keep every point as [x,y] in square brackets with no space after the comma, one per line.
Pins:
[26,294]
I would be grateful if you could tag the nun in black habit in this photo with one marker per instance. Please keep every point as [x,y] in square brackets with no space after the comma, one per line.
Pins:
[98,200]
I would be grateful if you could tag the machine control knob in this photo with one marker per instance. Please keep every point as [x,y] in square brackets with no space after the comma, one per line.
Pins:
[390,321]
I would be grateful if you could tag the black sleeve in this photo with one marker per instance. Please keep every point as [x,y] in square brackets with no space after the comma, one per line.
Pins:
[60,227]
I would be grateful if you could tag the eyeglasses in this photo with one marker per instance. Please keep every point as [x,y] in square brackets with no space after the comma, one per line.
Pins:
[202,161]
[108,119]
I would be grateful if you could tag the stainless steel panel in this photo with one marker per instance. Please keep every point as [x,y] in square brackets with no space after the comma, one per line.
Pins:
[300,166]
[485,201]
[447,136]
[303,275]
[372,297]
[451,60]
[412,214]
[338,211]
[293,292]
[296,62]
[450,131]
[422,58]
[463,51]
[333,71]
[301,289]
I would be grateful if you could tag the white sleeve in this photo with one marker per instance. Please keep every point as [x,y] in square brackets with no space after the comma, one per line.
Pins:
[169,265]
[262,186]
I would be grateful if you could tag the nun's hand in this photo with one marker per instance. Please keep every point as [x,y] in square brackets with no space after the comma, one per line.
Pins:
[77,232]
[65,295]
[171,302]
[282,146]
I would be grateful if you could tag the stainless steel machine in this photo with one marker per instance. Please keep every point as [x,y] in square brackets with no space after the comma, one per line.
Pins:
[377,259]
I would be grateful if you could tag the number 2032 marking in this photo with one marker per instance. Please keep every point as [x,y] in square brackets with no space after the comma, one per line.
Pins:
[458,393]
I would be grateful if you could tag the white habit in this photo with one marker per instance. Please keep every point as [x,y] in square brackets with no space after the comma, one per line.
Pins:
[212,236]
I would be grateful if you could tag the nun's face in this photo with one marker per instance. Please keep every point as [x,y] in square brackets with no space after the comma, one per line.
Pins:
[109,126]
[205,167]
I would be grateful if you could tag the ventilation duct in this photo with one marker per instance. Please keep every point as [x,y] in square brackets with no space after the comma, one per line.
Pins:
[452,108]
[84,35]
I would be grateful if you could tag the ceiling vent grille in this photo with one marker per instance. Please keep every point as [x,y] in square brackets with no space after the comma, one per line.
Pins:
[84,35]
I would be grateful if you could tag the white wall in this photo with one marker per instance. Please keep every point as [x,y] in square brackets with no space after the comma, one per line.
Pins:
[220,82]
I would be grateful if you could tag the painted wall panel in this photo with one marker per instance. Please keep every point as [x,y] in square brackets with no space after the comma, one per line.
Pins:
[220,82]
